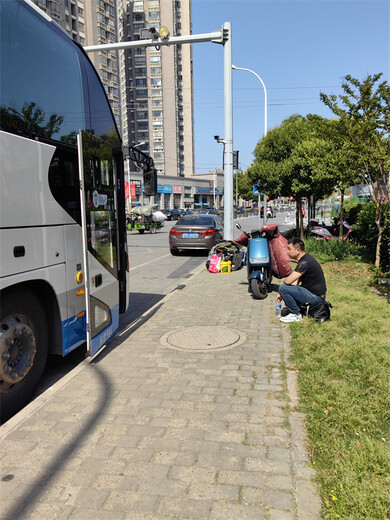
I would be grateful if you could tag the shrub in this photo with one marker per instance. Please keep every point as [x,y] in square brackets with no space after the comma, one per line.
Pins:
[331,250]
[366,234]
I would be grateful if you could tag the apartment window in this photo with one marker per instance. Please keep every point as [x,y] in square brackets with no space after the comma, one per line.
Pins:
[142,115]
[140,82]
[156,81]
[155,59]
[154,4]
[157,103]
[157,124]
[138,5]
[154,14]
[142,125]
[158,135]
[140,71]
[157,113]
[156,92]
[155,25]
[141,93]
[155,70]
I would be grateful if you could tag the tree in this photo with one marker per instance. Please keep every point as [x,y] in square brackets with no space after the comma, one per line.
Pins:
[343,162]
[292,160]
[245,186]
[364,116]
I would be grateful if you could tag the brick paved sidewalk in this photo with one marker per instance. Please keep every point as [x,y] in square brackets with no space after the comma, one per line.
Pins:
[154,433]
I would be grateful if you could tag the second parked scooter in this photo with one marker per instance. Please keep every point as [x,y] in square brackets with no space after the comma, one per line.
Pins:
[258,261]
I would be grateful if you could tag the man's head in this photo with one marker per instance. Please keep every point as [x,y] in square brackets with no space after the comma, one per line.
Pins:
[295,248]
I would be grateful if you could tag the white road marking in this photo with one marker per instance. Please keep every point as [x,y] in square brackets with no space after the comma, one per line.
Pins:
[150,261]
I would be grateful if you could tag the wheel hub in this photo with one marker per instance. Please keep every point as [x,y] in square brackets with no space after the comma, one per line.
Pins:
[17,350]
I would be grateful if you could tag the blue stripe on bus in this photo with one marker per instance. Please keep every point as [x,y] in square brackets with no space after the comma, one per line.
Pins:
[74,331]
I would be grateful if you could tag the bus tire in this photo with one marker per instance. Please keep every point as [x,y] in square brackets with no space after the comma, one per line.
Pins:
[23,349]
[141,231]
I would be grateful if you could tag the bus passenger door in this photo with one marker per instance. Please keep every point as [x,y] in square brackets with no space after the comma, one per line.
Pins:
[99,220]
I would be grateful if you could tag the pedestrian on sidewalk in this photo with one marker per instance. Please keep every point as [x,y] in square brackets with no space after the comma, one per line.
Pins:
[309,274]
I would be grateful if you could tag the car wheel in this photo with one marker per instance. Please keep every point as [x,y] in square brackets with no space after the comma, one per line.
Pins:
[174,252]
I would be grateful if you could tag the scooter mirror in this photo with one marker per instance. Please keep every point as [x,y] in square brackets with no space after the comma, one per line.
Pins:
[238,225]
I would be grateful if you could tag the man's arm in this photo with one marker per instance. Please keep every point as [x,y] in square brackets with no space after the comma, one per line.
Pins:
[293,278]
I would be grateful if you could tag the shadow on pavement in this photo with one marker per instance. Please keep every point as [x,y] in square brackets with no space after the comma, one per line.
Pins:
[35,491]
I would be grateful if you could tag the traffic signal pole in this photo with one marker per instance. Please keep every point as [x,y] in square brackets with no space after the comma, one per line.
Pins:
[224,37]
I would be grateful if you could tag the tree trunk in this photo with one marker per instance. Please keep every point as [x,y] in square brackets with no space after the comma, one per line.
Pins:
[298,218]
[341,229]
[378,245]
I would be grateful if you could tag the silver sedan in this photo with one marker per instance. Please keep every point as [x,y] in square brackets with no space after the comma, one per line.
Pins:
[195,232]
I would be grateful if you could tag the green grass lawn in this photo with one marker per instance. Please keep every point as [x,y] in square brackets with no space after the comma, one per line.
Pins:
[344,383]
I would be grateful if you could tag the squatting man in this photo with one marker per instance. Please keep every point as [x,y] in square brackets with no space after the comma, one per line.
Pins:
[309,274]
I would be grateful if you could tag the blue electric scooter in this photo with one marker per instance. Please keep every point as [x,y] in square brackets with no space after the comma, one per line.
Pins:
[258,261]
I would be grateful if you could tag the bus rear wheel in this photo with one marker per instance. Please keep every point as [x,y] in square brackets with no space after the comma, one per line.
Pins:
[23,349]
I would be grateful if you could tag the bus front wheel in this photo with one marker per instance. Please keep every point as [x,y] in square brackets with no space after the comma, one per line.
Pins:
[23,349]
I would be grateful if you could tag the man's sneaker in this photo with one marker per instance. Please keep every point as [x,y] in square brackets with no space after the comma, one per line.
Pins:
[290,318]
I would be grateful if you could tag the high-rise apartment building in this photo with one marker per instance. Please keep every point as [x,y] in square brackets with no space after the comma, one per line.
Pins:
[150,89]
[156,85]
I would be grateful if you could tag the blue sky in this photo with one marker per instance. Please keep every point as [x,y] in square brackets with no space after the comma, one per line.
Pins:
[298,48]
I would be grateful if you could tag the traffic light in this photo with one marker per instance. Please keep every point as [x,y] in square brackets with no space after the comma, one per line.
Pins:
[235,160]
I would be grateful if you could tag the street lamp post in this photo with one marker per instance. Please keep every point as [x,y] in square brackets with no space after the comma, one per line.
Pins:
[265,129]
[265,93]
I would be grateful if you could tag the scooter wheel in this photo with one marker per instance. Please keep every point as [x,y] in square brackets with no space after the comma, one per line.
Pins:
[259,289]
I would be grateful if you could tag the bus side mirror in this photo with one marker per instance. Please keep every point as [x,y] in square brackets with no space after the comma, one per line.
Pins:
[150,182]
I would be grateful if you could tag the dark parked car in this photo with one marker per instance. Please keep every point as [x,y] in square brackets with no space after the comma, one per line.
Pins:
[195,232]
[174,214]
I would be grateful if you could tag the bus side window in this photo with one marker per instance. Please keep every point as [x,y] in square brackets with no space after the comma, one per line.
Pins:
[64,182]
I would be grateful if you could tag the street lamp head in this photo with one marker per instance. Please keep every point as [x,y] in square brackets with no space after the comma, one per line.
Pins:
[234,67]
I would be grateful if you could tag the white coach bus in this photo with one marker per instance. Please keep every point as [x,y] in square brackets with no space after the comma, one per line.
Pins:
[63,252]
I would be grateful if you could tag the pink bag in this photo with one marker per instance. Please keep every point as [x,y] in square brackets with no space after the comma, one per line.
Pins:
[215,263]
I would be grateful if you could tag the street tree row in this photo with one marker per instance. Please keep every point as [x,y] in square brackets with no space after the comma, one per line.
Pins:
[312,156]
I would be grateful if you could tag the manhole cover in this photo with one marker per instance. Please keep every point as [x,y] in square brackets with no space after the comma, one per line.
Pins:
[199,339]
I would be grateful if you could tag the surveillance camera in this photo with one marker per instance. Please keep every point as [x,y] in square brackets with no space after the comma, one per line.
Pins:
[152,30]
[216,137]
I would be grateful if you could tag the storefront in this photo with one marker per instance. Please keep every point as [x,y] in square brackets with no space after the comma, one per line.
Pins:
[177,196]
[133,193]
[165,191]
